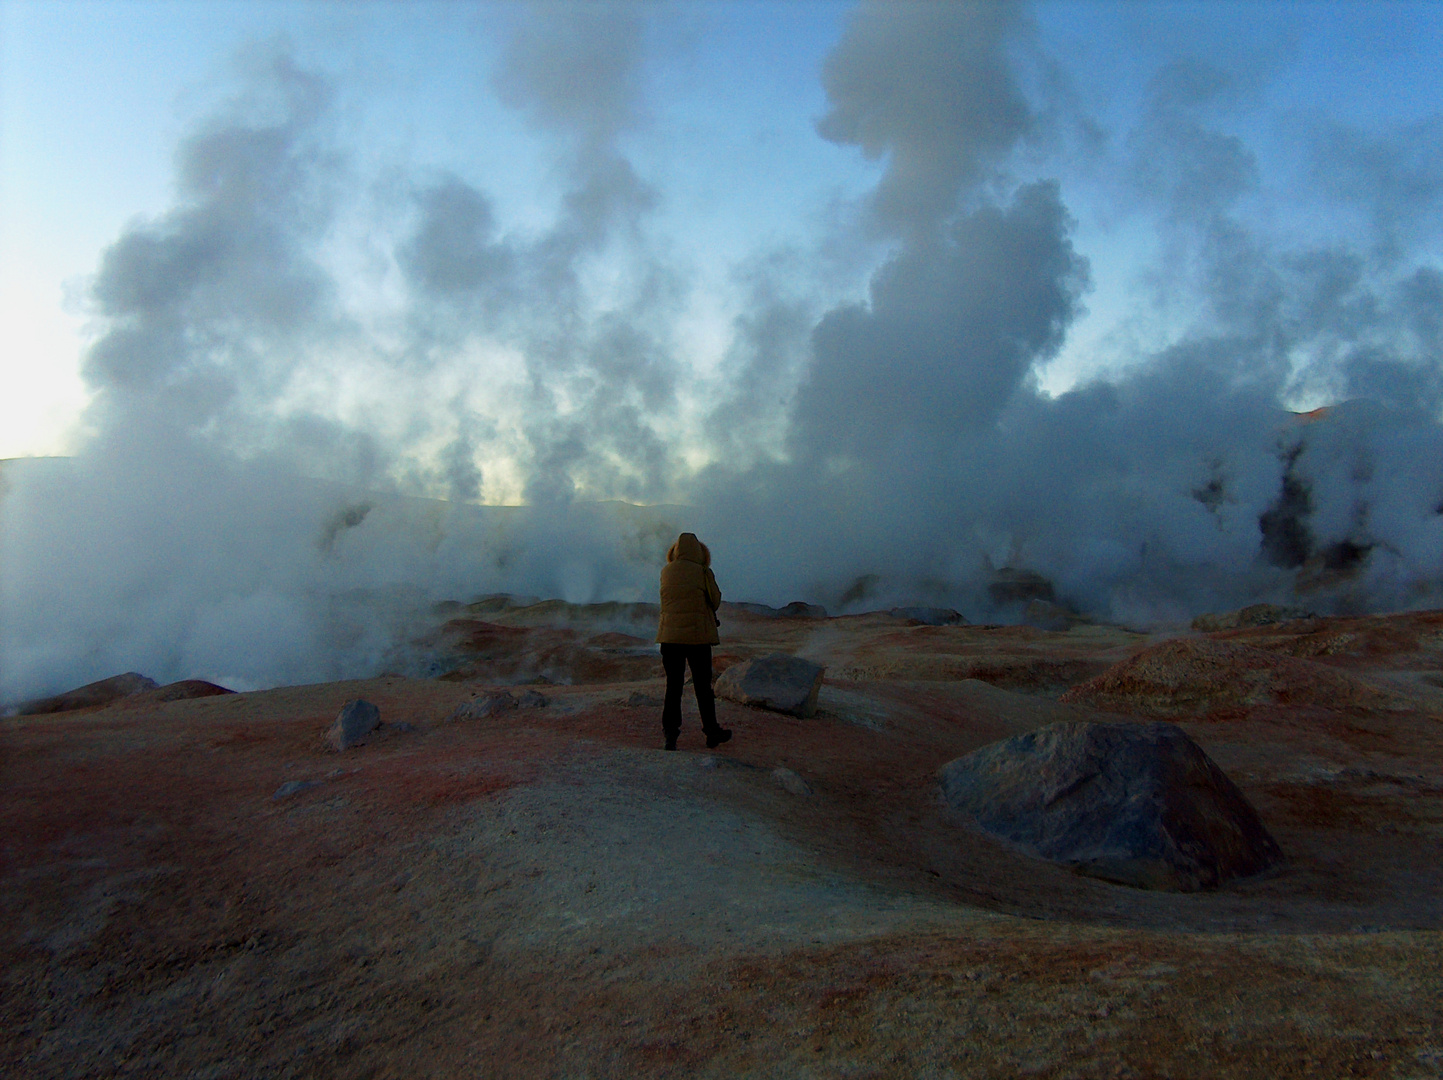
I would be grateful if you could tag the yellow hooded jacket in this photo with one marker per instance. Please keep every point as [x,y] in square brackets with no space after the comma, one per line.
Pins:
[689,595]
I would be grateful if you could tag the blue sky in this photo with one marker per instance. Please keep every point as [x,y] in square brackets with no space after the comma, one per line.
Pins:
[95,98]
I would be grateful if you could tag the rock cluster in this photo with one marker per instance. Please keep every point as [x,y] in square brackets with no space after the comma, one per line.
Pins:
[1138,804]
[1011,585]
[490,704]
[496,702]
[1253,615]
[929,616]
[1045,615]
[780,682]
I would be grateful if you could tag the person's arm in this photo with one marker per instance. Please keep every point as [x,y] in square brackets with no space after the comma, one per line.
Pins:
[713,593]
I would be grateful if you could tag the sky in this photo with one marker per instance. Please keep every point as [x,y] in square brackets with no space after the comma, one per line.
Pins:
[96,97]
[882,296]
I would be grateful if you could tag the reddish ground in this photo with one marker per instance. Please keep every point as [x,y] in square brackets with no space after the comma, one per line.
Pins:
[547,893]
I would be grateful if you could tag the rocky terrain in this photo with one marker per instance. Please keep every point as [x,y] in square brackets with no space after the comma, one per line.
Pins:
[509,877]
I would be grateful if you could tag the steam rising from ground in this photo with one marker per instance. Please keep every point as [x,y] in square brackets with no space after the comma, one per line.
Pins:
[308,382]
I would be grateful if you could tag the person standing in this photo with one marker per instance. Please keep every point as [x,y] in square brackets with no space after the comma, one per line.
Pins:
[687,631]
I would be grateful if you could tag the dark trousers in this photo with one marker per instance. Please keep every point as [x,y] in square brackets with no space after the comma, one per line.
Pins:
[674,658]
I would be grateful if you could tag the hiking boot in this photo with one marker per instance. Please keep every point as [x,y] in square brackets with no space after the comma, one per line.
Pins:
[716,736]
[671,742]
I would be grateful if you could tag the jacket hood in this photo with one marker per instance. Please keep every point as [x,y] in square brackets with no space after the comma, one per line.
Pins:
[691,549]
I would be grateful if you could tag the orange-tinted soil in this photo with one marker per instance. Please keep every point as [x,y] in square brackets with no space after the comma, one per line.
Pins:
[547,893]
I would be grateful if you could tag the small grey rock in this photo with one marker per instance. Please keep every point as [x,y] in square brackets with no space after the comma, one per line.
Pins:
[708,761]
[295,787]
[402,726]
[357,720]
[639,699]
[533,699]
[489,704]
[790,781]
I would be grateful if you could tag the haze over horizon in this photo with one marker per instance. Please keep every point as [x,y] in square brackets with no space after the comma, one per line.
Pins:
[883,293]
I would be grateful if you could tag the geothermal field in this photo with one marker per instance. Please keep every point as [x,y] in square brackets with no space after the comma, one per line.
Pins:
[1058,388]
[509,876]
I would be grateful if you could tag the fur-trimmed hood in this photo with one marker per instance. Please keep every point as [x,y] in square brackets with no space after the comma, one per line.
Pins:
[691,549]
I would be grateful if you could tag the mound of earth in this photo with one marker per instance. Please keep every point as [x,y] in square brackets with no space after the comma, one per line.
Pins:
[91,695]
[1139,804]
[1407,640]
[1193,676]
[186,689]
[1253,615]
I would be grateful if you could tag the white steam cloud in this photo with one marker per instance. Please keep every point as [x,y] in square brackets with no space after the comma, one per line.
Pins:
[310,383]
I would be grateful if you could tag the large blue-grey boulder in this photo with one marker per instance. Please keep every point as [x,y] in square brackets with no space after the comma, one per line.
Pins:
[357,720]
[780,682]
[1139,804]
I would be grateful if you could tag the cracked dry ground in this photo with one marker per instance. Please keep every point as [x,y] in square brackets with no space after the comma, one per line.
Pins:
[546,893]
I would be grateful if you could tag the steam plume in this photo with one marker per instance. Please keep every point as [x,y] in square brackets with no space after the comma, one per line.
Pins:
[284,470]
